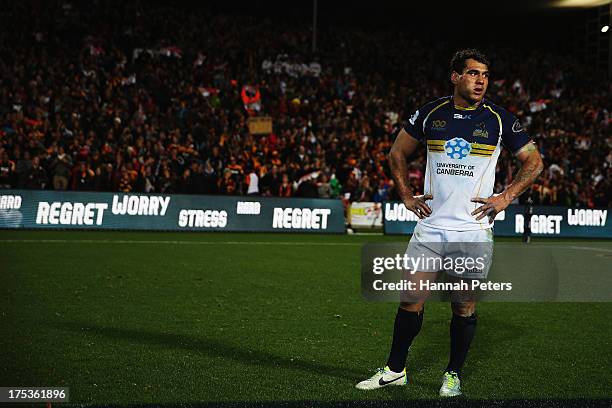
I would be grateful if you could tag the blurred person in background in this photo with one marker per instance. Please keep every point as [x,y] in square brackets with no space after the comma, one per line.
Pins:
[83,177]
[285,189]
[36,176]
[60,167]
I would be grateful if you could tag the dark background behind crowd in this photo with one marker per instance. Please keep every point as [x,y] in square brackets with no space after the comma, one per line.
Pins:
[147,97]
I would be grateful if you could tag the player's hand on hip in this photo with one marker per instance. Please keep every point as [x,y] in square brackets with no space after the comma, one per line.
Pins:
[418,206]
[492,206]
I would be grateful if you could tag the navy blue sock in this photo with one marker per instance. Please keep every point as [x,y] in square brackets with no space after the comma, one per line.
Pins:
[462,331]
[407,326]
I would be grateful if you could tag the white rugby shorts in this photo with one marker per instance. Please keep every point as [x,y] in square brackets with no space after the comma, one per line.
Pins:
[464,254]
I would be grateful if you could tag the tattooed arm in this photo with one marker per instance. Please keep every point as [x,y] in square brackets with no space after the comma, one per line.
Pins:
[531,167]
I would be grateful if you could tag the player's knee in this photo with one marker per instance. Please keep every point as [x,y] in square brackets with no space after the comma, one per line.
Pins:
[411,307]
[464,309]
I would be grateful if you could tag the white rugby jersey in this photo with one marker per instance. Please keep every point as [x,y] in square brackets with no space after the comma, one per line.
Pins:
[463,146]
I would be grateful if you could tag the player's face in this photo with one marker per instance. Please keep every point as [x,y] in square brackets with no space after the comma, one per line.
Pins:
[472,84]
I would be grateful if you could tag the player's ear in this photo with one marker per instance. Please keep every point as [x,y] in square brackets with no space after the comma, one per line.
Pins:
[455,77]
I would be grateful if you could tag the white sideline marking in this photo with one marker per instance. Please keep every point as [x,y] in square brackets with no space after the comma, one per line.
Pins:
[591,249]
[114,241]
[283,243]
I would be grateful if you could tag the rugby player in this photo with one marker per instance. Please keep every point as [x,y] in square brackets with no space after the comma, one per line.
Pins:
[464,134]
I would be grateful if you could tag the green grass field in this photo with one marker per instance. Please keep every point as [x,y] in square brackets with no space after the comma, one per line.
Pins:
[123,317]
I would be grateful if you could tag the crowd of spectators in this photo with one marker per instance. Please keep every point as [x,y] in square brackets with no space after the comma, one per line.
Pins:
[146,98]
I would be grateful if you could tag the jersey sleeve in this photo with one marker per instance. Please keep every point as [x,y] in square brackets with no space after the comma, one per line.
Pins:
[414,125]
[513,136]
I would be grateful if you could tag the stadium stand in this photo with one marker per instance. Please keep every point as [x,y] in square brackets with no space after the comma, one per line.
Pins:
[139,97]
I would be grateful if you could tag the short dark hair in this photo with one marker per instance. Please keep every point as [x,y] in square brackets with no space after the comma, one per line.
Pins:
[457,63]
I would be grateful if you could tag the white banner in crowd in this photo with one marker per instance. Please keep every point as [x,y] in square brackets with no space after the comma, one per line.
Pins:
[365,215]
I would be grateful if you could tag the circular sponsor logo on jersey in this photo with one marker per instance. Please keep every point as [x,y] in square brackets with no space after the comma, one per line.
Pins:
[457,148]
